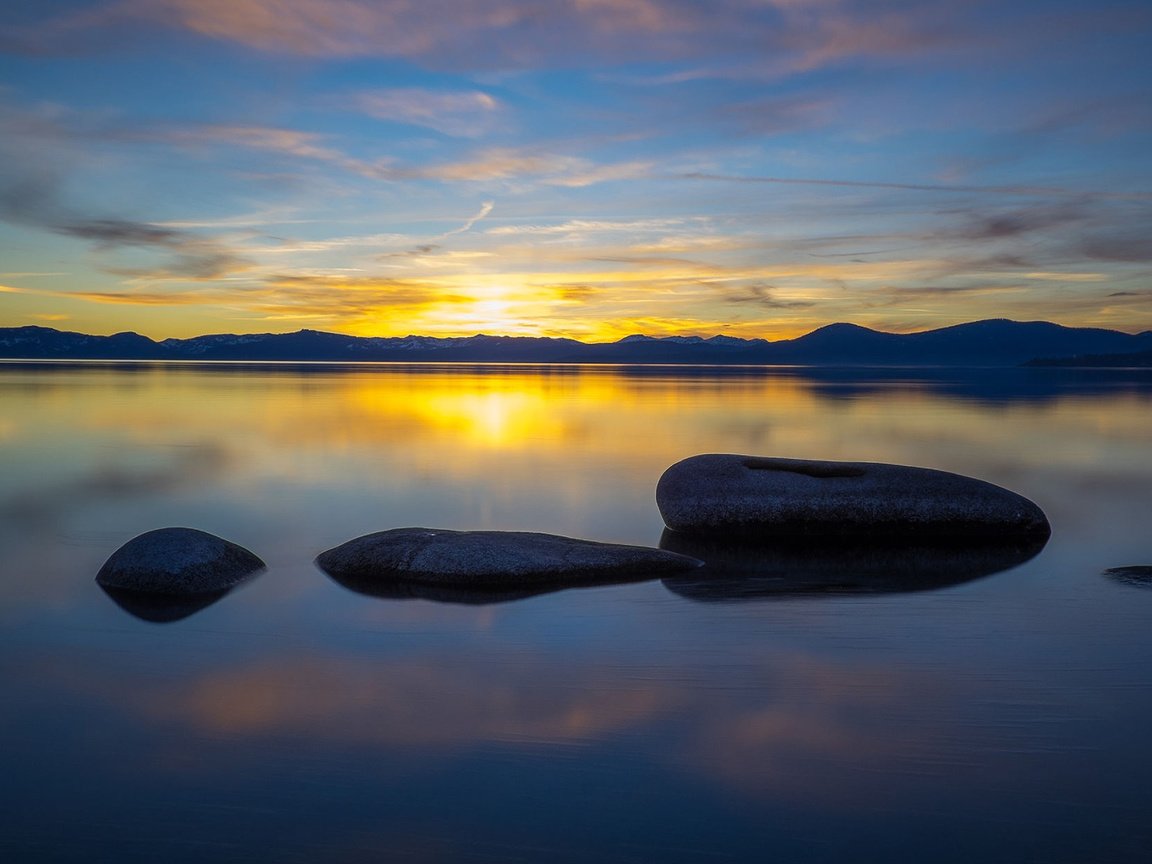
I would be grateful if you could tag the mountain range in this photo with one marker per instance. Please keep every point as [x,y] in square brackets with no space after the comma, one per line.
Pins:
[989,343]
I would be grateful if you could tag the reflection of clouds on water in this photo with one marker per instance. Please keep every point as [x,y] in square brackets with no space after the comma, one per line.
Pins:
[435,703]
[354,719]
[752,730]
[805,712]
[40,508]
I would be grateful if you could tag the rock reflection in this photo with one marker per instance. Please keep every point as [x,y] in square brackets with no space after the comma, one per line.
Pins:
[1139,575]
[735,572]
[161,608]
[402,590]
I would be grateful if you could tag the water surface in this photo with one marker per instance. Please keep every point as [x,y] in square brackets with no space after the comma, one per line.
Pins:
[996,717]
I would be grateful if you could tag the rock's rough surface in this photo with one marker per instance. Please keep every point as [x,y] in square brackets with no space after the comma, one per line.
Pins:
[751,497]
[178,561]
[493,559]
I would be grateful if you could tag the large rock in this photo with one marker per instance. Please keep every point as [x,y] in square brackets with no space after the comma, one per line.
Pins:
[491,560]
[178,561]
[751,497]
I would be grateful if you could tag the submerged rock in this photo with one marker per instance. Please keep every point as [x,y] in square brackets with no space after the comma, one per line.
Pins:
[750,497]
[178,561]
[854,565]
[1138,574]
[490,559]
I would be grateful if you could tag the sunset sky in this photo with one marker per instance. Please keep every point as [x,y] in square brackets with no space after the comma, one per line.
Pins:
[583,168]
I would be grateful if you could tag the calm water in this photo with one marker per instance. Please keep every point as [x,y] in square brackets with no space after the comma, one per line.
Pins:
[1003,718]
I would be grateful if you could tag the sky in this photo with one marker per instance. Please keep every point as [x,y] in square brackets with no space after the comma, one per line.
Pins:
[577,168]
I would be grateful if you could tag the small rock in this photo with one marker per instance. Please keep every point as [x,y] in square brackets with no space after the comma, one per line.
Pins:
[178,561]
[494,559]
[749,497]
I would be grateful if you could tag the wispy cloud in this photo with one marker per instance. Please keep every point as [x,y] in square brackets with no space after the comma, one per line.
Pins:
[785,35]
[910,187]
[36,154]
[760,294]
[515,164]
[36,203]
[465,114]
[1127,244]
[490,165]
[588,226]
[471,221]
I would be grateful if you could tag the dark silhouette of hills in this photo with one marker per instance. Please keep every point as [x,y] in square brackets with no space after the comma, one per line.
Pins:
[991,343]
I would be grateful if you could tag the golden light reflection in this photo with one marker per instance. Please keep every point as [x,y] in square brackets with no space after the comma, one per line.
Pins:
[458,416]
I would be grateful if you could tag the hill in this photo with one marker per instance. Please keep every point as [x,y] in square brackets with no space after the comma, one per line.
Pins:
[991,343]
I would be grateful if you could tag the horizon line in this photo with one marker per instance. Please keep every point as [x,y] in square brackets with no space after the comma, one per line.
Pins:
[693,336]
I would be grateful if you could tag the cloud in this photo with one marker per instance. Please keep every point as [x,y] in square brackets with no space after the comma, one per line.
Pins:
[471,221]
[1017,222]
[782,35]
[343,297]
[190,255]
[497,164]
[761,294]
[414,252]
[513,164]
[872,184]
[774,116]
[587,226]
[151,298]
[36,152]
[463,114]
[1124,245]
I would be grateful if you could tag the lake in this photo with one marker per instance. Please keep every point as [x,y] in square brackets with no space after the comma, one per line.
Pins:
[992,716]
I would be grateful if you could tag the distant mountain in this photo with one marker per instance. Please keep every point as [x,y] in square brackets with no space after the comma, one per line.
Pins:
[993,343]
[35,343]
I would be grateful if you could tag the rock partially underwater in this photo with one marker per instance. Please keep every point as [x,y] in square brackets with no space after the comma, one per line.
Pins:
[751,497]
[178,562]
[487,566]
[1137,574]
[747,571]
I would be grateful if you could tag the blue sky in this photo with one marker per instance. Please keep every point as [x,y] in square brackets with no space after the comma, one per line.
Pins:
[585,168]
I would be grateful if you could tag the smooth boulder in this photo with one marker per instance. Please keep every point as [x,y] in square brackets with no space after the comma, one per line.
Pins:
[752,497]
[491,559]
[178,561]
